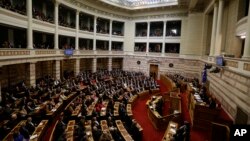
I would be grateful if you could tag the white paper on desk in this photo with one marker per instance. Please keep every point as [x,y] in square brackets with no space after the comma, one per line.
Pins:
[172,125]
[33,136]
[172,130]
[53,110]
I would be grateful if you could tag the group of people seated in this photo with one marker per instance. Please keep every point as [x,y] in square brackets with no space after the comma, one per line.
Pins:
[44,45]
[63,21]
[20,102]
[105,86]
[117,32]
[37,14]
[100,29]
[6,44]
[68,46]
[200,90]
[83,26]
[140,48]
[19,7]
[141,33]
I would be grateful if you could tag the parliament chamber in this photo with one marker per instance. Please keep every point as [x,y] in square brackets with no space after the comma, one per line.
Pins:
[124,70]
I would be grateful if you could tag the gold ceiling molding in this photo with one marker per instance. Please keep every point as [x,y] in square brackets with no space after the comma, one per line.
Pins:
[80,4]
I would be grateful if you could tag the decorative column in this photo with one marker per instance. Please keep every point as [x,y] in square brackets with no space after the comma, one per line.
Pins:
[1,77]
[56,69]
[164,36]
[219,29]
[56,17]
[0,92]
[94,40]
[77,66]
[110,64]
[213,38]
[148,33]
[44,9]
[246,53]
[29,30]
[110,34]
[94,63]
[31,76]
[77,31]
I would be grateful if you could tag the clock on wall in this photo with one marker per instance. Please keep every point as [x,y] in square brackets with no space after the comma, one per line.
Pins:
[171,65]
[138,62]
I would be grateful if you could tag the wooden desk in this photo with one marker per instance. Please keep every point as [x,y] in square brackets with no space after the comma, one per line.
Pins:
[123,131]
[104,126]
[201,115]
[70,130]
[9,137]
[175,102]
[53,131]
[171,130]
[161,122]
[77,110]
[116,109]
[129,110]
[104,108]
[50,113]
[155,91]
[132,99]
[91,108]
[88,130]
[39,131]
[40,107]
[167,82]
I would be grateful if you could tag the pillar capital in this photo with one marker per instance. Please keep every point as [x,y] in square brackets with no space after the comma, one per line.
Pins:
[246,54]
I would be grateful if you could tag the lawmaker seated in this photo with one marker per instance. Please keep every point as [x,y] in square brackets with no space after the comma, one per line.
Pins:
[105,136]
[22,112]
[183,133]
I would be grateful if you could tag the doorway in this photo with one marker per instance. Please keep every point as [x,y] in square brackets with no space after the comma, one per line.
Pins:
[153,71]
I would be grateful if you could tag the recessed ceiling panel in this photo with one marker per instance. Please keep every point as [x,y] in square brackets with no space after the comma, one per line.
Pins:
[141,4]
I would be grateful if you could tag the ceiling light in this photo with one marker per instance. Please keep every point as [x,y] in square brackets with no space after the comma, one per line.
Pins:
[243,36]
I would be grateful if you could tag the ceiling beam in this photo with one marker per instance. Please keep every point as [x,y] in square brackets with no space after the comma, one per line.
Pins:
[192,3]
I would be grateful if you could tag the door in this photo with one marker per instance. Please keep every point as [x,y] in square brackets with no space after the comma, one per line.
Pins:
[153,71]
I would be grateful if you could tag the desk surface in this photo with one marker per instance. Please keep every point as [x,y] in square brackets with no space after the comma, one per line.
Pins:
[16,128]
[88,130]
[70,130]
[123,131]
[39,131]
[171,130]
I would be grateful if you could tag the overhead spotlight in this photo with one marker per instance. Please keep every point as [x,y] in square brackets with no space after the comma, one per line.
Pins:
[243,36]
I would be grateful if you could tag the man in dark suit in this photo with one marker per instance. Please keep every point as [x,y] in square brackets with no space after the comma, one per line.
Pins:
[24,131]
[60,127]
[30,125]
[96,133]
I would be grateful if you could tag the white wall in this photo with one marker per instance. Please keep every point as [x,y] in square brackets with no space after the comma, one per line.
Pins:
[192,42]
[129,34]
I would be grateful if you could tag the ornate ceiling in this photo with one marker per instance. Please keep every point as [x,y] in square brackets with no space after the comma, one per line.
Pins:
[140,4]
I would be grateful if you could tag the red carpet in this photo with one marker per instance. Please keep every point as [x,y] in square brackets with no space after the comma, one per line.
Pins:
[199,135]
[184,107]
[141,116]
[150,133]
